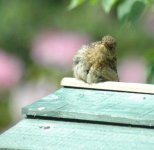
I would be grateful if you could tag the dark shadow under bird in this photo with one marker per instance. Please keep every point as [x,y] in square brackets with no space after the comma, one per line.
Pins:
[96,62]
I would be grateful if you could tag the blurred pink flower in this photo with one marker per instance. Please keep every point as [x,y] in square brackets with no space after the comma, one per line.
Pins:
[132,70]
[57,48]
[10,70]
[27,93]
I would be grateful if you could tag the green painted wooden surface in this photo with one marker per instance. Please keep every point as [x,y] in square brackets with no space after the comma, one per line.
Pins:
[33,134]
[95,105]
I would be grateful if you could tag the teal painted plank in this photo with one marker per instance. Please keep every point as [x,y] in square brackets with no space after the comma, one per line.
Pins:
[33,134]
[95,105]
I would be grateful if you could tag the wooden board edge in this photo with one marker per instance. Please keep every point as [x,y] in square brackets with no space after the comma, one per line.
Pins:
[109,85]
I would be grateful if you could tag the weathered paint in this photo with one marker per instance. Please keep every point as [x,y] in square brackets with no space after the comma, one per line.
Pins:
[34,134]
[96,105]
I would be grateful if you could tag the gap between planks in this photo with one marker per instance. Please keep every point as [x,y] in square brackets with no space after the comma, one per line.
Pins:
[109,85]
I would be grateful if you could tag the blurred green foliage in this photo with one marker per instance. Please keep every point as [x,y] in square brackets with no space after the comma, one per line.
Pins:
[22,21]
[128,10]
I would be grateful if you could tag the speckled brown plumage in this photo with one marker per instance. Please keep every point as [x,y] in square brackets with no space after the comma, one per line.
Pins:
[96,62]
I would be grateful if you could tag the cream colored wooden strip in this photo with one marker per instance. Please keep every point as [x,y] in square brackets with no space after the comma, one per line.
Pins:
[109,85]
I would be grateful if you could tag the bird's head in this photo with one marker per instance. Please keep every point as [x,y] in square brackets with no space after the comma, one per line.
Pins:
[109,42]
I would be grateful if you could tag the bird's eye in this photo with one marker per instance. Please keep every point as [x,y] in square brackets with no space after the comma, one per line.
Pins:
[111,47]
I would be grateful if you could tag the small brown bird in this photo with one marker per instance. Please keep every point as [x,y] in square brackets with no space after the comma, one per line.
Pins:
[96,62]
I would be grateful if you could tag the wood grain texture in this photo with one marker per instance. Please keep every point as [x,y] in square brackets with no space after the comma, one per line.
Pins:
[96,105]
[33,134]
[109,85]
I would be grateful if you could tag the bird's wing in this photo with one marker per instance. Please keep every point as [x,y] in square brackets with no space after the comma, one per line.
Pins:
[109,74]
[81,53]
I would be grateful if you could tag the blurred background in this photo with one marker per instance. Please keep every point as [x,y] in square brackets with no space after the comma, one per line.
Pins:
[39,38]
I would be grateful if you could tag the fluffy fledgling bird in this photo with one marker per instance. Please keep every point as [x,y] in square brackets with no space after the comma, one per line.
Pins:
[96,62]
